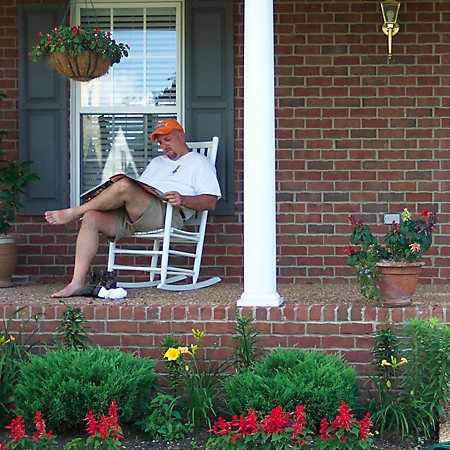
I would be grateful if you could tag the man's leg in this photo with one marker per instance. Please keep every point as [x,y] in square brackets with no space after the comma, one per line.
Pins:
[93,223]
[97,219]
[123,193]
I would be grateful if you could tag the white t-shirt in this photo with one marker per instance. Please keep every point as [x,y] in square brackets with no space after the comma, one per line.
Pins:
[192,174]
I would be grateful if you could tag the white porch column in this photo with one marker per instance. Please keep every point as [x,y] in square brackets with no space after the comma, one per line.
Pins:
[259,157]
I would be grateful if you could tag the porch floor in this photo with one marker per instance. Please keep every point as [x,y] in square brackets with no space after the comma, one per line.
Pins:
[220,294]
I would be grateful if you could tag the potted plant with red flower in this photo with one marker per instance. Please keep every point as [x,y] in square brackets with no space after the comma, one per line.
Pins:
[79,53]
[404,245]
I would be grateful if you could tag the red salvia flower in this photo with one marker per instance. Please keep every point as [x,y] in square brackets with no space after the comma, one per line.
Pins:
[116,430]
[103,428]
[365,424]
[344,419]
[299,423]
[17,429]
[252,422]
[92,424]
[276,421]
[221,427]
[324,434]
[39,422]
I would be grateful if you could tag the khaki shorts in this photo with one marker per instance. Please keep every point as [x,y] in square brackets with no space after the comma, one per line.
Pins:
[152,219]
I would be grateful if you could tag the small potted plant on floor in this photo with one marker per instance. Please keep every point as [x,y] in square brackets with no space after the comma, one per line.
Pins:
[399,260]
[79,53]
[14,178]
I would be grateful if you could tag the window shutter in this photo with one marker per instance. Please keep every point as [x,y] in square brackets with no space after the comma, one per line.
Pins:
[43,120]
[209,86]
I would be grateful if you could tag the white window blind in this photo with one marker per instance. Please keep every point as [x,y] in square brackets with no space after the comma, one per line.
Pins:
[148,75]
[117,112]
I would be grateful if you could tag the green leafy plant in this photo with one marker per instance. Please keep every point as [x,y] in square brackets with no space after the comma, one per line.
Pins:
[71,332]
[412,390]
[386,350]
[290,377]
[75,39]
[65,383]
[404,242]
[15,344]
[165,421]
[196,383]
[246,352]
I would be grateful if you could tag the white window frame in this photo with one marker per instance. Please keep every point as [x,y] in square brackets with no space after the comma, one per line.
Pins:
[76,110]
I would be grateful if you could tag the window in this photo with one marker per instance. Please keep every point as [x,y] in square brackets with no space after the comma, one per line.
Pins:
[115,114]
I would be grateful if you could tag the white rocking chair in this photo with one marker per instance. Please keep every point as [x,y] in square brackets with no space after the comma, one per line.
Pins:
[162,272]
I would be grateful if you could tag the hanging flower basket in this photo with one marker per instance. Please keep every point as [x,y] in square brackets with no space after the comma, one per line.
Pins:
[83,67]
[79,53]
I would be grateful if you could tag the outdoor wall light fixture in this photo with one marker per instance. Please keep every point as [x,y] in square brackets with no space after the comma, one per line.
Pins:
[390,28]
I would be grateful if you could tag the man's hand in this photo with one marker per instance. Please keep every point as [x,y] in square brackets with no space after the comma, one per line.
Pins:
[174,198]
[196,202]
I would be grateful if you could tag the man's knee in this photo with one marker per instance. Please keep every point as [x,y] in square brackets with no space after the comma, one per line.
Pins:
[93,218]
[126,187]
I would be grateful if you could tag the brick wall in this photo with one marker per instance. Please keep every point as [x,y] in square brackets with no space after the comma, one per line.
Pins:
[355,134]
[347,329]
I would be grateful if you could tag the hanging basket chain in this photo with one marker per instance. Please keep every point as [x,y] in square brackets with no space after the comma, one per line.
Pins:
[87,7]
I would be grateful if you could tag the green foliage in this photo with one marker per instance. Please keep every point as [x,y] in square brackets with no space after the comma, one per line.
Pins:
[413,392]
[406,242]
[246,351]
[196,383]
[293,377]
[75,40]
[386,349]
[65,383]
[14,347]
[71,332]
[165,421]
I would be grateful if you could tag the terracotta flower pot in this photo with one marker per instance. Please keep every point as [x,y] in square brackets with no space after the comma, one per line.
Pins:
[398,282]
[8,259]
[84,67]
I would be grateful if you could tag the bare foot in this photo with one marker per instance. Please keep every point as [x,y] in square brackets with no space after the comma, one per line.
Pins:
[61,216]
[71,290]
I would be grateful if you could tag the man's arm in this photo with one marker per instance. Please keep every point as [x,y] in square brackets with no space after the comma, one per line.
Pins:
[201,202]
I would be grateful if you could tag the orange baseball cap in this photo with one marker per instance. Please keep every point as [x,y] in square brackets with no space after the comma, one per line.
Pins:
[164,127]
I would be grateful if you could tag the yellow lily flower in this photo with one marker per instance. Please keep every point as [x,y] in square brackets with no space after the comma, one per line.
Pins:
[172,354]
[184,351]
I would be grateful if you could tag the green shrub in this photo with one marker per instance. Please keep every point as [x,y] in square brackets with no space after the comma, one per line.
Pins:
[15,344]
[292,377]
[412,382]
[66,383]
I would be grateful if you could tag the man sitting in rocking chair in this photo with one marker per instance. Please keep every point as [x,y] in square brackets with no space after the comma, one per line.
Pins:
[187,178]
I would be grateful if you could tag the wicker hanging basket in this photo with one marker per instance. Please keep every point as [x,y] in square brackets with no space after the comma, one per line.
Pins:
[83,67]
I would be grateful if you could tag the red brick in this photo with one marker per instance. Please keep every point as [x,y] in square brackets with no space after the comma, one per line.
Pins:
[121,326]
